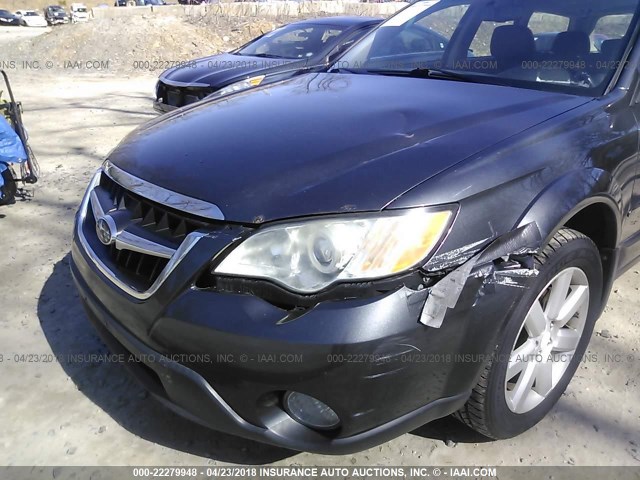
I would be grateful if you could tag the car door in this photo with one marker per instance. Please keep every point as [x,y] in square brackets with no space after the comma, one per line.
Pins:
[631,222]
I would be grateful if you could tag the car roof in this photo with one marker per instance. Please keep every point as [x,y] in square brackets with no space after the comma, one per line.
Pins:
[342,21]
[601,8]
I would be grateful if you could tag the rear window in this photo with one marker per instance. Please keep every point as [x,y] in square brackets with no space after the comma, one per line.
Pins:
[545,28]
[481,45]
[541,22]
[611,27]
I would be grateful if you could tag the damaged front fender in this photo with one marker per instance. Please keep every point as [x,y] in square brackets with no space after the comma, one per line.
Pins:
[507,260]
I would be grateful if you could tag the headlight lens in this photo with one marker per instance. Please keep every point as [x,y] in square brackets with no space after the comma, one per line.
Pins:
[308,256]
[241,85]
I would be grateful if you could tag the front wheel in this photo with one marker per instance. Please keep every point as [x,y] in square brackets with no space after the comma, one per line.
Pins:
[543,342]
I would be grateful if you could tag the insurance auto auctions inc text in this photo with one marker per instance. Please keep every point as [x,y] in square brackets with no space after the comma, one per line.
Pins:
[382,472]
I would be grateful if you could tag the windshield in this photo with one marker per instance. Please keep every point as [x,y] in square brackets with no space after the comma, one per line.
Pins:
[81,10]
[561,45]
[30,14]
[294,41]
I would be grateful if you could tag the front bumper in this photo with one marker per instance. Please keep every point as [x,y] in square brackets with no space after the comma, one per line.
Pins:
[189,394]
[225,360]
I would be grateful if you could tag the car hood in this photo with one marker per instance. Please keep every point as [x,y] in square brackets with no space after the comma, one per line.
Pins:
[327,143]
[218,70]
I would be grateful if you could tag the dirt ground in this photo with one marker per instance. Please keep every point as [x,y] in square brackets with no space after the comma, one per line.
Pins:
[82,413]
[138,43]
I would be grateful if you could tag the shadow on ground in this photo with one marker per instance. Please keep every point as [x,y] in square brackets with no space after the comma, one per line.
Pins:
[110,387]
[448,429]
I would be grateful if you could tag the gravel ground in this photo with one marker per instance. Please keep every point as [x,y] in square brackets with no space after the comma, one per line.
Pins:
[128,45]
[81,413]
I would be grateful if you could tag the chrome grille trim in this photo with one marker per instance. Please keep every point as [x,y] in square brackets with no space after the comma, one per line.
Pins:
[160,195]
[178,255]
[127,241]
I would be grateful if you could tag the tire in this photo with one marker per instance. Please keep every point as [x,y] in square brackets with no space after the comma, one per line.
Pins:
[501,407]
[9,189]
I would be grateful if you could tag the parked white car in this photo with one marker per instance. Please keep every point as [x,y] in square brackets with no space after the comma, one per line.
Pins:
[31,18]
[79,13]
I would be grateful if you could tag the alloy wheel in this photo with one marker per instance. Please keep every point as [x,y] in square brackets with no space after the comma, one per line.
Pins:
[547,341]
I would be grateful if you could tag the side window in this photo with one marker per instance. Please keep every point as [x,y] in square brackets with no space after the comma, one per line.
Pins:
[481,45]
[359,34]
[425,35]
[417,39]
[545,28]
[443,22]
[348,42]
[355,37]
[611,27]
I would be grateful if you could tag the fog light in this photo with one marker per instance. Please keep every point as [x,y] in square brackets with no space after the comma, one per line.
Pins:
[310,411]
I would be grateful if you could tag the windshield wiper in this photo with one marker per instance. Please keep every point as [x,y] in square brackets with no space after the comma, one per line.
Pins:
[267,55]
[415,73]
[442,74]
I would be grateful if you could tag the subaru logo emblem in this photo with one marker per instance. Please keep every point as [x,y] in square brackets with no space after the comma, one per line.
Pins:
[106,230]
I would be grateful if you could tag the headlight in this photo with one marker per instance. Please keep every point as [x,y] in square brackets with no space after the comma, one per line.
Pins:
[241,85]
[308,256]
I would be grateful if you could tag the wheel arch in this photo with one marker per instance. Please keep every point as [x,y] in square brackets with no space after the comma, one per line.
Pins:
[590,202]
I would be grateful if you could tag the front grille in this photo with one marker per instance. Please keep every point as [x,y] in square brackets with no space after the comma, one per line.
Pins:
[139,268]
[168,224]
[136,269]
[145,219]
[181,96]
[137,233]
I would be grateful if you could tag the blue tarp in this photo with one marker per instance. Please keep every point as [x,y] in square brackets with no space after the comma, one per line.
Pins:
[11,148]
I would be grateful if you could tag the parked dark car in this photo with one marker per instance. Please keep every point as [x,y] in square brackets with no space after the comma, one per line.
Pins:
[8,19]
[283,51]
[56,15]
[131,3]
[327,262]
